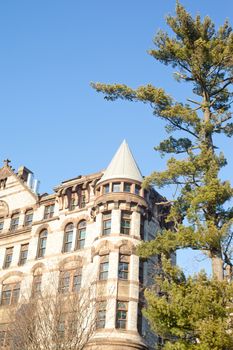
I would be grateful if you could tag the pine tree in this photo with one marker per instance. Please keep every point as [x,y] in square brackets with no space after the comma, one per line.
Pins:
[201,214]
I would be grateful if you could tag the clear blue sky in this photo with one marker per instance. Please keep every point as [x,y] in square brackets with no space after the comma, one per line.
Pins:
[51,119]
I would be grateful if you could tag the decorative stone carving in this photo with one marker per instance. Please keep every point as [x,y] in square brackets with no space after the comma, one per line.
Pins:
[4,209]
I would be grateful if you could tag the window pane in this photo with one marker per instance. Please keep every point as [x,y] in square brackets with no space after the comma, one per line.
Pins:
[83,199]
[116,187]
[81,234]
[106,188]
[77,281]
[15,294]
[121,315]
[42,244]
[137,189]
[107,223]
[23,254]
[101,318]
[14,222]
[48,211]
[36,286]
[6,297]
[104,271]
[28,218]
[125,222]
[72,204]
[8,257]
[10,294]
[65,282]
[82,224]
[68,238]
[127,187]
[1,224]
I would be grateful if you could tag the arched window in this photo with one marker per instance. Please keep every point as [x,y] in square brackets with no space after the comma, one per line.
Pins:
[81,235]
[68,238]
[42,244]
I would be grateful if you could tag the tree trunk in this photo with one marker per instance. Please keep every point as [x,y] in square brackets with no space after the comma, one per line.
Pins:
[217,267]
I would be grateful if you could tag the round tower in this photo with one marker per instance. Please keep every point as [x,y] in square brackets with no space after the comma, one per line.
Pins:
[119,209]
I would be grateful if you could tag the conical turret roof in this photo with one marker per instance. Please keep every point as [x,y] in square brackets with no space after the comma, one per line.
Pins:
[123,165]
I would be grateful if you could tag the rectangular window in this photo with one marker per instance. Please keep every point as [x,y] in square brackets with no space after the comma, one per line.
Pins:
[1,224]
[101,315]
[15,294]
[83,199]
[116,187]
[8,257]
[127,187]
[121,314]
[36,285]
[106,189]
[125,222]
[48,211]
[72,204]
[28,218]
[14,222]
[23,254]
[65,282]
[6,295]
[70,281]
[107,223]
[10,294]
[123,269]
[77,280]
[137,189]
[104,265]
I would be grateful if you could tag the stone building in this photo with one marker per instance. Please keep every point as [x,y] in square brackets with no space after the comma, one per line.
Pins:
[92,223]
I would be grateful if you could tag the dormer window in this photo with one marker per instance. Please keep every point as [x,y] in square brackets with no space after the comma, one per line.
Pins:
[116,187]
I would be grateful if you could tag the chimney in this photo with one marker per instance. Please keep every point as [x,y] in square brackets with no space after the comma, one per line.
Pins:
[23,173]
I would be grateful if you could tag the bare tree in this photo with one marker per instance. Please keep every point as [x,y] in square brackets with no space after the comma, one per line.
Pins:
[55,321]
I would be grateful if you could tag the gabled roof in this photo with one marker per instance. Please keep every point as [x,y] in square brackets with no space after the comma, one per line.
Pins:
[7,171]
[123,165]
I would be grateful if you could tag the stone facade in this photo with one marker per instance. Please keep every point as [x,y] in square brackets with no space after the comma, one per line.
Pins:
[94,222]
